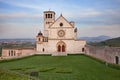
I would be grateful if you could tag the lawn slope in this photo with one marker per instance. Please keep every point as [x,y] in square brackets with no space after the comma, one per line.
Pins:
[71,67]
[9,75]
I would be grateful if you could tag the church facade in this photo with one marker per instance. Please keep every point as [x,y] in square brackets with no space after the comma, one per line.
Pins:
[59,37]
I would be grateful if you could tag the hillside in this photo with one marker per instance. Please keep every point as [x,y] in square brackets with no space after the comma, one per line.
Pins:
[115,42]
[95,39]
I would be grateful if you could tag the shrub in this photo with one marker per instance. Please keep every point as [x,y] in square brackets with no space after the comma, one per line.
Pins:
[114,66]
[45,69]
[23,68]
[63,70]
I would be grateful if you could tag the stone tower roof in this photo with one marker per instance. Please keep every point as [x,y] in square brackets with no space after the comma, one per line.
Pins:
[40,34]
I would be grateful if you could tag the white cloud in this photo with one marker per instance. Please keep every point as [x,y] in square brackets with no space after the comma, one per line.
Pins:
[112,13]
[84,13]
[20,3]
[108,30]
[19,15]
[90,13]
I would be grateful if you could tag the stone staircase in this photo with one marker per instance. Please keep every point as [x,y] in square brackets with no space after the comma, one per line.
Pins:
[59,54]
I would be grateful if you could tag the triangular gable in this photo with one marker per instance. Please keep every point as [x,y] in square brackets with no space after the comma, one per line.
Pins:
[61,19]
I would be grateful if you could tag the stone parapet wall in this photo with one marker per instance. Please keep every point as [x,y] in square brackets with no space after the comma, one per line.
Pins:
[16,52]
[108,54]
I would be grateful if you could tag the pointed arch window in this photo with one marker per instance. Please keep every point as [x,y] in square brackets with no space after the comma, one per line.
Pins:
[59,48]
[63,48]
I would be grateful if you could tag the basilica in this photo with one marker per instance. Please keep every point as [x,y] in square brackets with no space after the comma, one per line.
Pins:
[59,37]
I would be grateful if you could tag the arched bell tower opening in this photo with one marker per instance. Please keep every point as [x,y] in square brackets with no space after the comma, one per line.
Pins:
[61,46]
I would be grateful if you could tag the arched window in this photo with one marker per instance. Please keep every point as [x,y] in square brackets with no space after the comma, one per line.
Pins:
[39,39]
[51,15]
[9,53]
[59,48]
[47,39]
[12,53]
[48,15]
[83,49]
[63,48]
[43,50]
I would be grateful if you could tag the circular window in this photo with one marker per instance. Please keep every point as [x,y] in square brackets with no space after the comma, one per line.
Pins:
[61,33]
[61,24]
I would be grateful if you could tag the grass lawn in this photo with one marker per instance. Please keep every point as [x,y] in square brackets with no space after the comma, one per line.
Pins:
[72,67]
[9,75]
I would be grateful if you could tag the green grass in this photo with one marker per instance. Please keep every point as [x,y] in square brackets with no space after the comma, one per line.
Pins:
[71,67]
[9,75]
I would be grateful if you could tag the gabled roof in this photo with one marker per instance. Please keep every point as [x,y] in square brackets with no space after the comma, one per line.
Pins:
[59,20]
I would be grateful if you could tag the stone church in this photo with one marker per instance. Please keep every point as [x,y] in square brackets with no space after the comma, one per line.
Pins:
[59,37]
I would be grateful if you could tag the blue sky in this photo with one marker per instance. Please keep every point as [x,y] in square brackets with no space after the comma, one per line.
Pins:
[24,18]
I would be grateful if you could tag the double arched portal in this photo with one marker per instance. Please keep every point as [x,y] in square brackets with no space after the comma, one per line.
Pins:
[61,46]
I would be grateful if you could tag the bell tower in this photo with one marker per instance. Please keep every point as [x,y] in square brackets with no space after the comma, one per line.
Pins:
[49,18]
[39,38]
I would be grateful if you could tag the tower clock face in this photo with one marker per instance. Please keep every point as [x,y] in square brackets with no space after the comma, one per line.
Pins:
[61,33]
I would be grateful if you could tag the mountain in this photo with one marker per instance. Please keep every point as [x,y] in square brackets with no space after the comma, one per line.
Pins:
[95,39]
[115,42]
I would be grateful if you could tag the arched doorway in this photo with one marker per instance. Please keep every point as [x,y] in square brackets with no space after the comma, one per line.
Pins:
[61,46]
[116,59]
[83,49]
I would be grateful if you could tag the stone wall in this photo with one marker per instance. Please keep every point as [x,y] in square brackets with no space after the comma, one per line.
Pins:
[107,54]
[17,52]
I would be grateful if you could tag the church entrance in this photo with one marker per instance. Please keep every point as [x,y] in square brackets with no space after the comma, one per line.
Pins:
[61,47]
[116,59]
